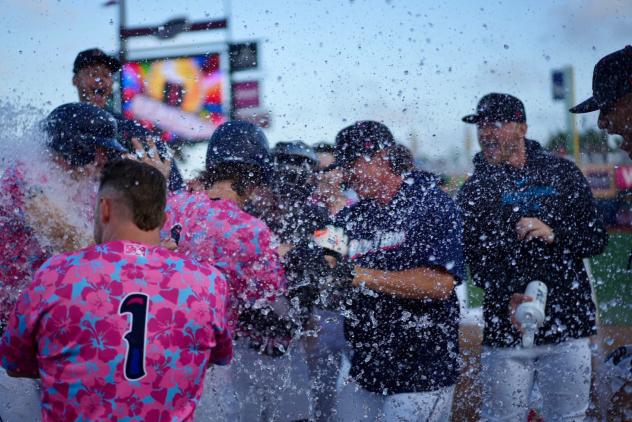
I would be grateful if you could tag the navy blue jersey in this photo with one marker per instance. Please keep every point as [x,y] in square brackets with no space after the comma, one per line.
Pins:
[404,345]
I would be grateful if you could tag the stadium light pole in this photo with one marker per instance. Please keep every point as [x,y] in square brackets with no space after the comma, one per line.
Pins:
[572,120]
[229,40]
[122,24]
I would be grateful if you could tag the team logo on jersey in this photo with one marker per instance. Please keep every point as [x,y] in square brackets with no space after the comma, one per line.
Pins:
[383,241]
[135,250]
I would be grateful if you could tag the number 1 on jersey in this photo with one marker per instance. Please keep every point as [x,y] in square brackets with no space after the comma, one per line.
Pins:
[137,305]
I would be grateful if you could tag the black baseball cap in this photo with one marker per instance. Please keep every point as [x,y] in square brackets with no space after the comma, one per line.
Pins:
[612,79]
[95,56]
[363,138]
[496,107]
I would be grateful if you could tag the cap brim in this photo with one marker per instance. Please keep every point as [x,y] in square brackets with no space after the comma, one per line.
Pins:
[471,118]
[110,144]
[587,106]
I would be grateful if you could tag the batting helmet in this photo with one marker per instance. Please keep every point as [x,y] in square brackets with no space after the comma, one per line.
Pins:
[296,152]
[75,130]
[240,142]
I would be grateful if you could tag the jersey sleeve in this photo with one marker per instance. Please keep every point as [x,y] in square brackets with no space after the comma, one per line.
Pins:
[18,346]
[578,227]
[437,236]
[222,352]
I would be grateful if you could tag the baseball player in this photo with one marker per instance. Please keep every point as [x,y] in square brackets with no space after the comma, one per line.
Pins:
[529,215]
[405,244]
[211,226]
[124,329]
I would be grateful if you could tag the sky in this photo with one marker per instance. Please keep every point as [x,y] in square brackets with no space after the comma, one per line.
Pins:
[416,65]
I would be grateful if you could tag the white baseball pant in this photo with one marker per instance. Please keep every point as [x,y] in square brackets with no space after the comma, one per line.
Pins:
[356,404]
[563,376]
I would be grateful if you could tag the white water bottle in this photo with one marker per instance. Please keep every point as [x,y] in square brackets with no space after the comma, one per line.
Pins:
[530,315]
[332,238]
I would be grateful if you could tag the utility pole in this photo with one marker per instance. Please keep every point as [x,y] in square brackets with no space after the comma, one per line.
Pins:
[563,84]
[571,124]
[229,41]
[467,144]
[122,26]
[122,55]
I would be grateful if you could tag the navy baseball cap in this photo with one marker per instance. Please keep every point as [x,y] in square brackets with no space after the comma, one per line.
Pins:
[496,107]
[361,139]
[75,130]
[95,56]
[612,79]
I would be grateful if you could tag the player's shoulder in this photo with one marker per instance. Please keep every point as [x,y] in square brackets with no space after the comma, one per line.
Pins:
[59,267]
[199,205]
[185,202]
[13,178]
[181,261]
[545,160]
[238,220]
[423,193]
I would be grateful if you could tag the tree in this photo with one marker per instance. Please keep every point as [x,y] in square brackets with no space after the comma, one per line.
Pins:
[591,142]
[557,143]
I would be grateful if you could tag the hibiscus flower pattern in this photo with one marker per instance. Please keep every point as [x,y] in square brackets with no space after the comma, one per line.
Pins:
[67,329]
[239,245]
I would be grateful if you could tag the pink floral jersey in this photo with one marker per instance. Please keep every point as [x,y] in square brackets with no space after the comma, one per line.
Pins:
[119,331]
[218,232]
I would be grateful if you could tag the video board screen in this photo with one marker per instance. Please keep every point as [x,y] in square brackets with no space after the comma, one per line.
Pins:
[182,98]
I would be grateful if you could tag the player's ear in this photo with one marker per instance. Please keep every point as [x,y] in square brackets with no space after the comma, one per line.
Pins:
[74,79]
[105,209]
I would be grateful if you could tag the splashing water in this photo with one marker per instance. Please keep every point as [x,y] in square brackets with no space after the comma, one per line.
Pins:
[43,209]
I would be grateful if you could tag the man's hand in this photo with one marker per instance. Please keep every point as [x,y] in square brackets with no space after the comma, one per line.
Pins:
[169,244]
[529,228]
[283,249]
[151,156]
[517,299]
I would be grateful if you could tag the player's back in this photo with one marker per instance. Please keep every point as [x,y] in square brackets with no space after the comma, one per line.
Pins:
[219,233]
[122,330]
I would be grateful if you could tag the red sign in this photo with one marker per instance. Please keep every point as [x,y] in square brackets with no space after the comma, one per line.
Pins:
[623,177]
[245,94]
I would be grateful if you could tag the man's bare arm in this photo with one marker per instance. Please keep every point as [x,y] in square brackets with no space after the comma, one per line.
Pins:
[416,283]
[53,224]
